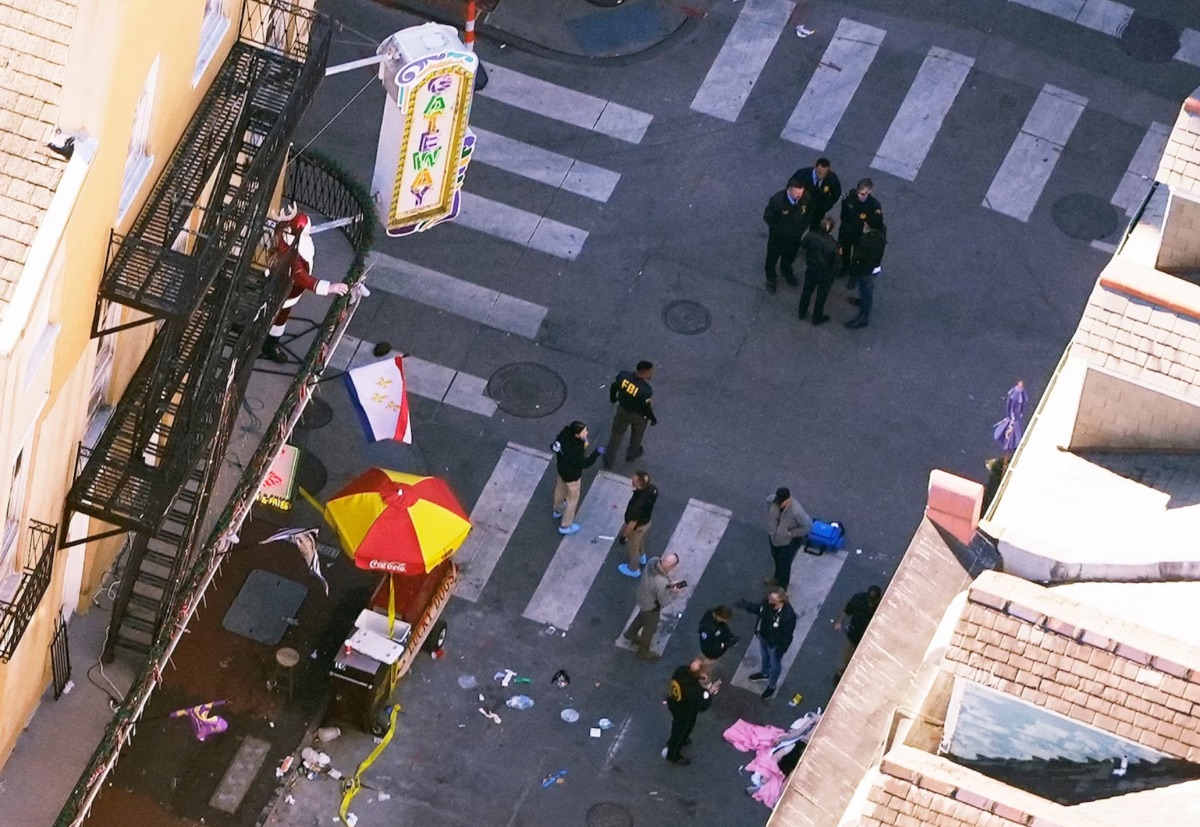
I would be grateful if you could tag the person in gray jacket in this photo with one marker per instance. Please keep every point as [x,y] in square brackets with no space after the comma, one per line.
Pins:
[787,527]
[655,590]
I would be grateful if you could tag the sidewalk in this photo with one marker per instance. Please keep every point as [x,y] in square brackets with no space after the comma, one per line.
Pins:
[571,30]
[165,777]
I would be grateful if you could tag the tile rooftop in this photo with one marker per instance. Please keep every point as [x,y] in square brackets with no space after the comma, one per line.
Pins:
[1080,661]
[1144,325]
[915,788]
[35,37]
[1180,165]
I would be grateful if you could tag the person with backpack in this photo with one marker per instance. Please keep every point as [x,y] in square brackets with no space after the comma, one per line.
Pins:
[571,458]
[689,693]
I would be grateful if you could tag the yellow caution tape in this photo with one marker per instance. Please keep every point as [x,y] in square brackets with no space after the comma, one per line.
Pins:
[311,500]
[352,785]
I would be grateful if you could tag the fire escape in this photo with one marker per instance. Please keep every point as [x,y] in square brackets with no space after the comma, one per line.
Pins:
[192,265]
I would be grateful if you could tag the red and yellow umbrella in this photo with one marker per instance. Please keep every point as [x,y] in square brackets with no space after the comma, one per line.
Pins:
[398,523]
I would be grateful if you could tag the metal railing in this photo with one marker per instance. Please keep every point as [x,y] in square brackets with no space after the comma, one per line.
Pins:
[303,170]
[35,579]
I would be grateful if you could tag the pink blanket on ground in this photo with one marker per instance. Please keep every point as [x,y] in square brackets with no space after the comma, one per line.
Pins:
[748,737]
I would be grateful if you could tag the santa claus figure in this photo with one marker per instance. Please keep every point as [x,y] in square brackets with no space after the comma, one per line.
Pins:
[293,229]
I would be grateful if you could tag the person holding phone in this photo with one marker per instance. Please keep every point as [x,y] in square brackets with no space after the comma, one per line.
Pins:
[655,590]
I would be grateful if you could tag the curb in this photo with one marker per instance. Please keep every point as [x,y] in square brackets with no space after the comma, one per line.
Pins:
[482,29]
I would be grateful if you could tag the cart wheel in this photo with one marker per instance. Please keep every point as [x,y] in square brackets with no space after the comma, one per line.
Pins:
[437,636]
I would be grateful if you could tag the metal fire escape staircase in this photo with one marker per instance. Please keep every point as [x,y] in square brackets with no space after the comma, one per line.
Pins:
[153,469]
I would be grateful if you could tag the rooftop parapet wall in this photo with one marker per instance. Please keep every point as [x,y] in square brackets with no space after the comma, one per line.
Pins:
[1021,639]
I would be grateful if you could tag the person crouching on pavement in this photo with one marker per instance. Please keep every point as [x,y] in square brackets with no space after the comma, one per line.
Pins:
[571,457]
[715,635]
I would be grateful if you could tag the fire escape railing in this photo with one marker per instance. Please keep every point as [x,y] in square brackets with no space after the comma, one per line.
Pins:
[35,580]
[214,303]
[321,185]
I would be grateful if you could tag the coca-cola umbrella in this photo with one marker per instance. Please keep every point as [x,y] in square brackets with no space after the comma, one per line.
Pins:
[398,523]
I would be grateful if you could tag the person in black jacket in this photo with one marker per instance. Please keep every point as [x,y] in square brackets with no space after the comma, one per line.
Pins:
[868,264]
[820,269]
[775,628]
[637,522]
[689,694]
[715,635]
[570,452]
[630,392]
[787,220]
[858,208]
[824,188]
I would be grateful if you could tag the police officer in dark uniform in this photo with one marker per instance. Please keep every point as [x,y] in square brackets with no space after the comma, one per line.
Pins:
[631,393]
[824,189]
[787,220]
[820,269]
[689,694]
[858,208]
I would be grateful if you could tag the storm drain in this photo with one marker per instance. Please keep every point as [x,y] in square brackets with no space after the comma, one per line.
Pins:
[1149,39]
[527,389]
[1084,216]
[607,814]
[686,317]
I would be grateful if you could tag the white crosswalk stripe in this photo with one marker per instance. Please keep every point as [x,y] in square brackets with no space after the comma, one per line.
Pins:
[742,58]
[1138,179]
[1101,15]
[833,84]
[915,126]
[454,295]
[695,538]
[1021,178]
[496,515]
[520,226]
[537,164]
[580,556]
[567,105]
[812,580]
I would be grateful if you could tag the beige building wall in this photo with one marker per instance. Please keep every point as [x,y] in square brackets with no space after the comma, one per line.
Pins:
[44,393]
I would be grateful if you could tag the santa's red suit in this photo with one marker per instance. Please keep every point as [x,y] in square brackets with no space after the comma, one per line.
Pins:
[286,234]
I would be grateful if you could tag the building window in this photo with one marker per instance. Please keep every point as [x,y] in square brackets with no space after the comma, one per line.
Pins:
[13,509]
[139,160]
[212,31]
[99,410]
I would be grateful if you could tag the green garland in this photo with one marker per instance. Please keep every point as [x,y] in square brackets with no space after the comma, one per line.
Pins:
[361,235]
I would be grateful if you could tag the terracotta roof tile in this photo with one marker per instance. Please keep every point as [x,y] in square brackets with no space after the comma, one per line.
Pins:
[34,43]
[1146,325]
[912,786]
[1106,675]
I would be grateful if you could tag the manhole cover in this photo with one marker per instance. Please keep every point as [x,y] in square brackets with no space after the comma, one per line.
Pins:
[317,414]
[687,317]
[527,389]
[607,814]
[1149,39]
[1084,216]
[310,474]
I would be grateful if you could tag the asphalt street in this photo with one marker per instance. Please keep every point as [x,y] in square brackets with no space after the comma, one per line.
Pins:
[852,420]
